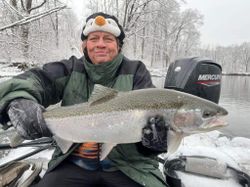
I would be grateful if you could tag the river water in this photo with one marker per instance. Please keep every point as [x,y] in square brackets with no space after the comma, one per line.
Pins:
[235,97]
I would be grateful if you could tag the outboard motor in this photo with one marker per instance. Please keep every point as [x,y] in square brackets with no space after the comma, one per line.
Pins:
[197,76]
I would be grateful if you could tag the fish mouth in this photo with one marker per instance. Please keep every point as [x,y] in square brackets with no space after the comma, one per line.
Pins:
[214,123]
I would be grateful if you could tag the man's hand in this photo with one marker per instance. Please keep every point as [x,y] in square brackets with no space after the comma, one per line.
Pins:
[154,134]
[26,116]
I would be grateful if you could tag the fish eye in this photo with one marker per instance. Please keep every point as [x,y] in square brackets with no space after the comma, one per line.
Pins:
[207,114]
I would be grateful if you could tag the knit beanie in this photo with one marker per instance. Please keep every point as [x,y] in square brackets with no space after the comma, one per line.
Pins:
[103,22]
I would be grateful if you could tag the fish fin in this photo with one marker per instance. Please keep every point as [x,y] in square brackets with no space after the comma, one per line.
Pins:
[64,145]
[174,140]
[106,148]
[101,94]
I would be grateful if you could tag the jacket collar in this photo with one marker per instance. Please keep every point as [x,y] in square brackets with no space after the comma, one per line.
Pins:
[104,73]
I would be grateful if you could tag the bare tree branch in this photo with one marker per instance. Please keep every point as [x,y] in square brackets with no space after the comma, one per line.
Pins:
[38,6]
[138,16]
[33,17]
[23,5]
[125,13]
[12,8]
[131,11]
[28,5]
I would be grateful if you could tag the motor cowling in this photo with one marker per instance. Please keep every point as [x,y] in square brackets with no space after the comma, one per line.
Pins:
[197,76]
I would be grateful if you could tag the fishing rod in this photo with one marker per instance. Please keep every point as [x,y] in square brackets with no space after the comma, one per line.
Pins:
[41,148]
[32,143]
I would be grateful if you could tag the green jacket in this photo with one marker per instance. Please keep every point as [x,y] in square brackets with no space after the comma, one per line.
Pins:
[71,82]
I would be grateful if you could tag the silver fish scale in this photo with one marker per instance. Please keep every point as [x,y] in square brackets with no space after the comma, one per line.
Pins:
[119,127]
[146,99]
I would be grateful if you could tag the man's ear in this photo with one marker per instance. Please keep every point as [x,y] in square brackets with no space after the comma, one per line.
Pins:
[84,50]
[118,45]
[83,46]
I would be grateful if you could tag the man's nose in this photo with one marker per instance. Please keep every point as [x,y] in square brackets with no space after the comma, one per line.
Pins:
[101,43]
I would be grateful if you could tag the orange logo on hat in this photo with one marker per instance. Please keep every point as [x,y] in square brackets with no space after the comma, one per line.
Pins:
[100,21]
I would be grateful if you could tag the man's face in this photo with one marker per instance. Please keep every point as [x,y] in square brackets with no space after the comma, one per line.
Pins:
[101,47]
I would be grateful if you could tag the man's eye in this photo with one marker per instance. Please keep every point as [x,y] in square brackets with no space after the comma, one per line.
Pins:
[109,39]
[93,39]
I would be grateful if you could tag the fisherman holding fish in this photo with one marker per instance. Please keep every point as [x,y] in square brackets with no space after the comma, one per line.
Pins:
[24,97]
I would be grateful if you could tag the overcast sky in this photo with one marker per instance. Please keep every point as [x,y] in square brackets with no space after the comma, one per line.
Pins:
[226,22]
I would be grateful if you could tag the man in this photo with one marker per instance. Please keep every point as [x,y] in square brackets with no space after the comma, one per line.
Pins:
[71,82]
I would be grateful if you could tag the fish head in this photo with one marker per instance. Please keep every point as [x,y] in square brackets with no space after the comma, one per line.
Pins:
[205,118]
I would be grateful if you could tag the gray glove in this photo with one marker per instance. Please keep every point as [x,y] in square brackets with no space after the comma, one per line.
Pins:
[154,134]
[26,116]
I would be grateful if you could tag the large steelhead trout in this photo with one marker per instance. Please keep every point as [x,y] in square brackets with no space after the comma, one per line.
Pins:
[113,117]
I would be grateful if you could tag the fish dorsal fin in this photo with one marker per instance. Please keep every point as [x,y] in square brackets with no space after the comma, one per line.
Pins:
[101,94]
